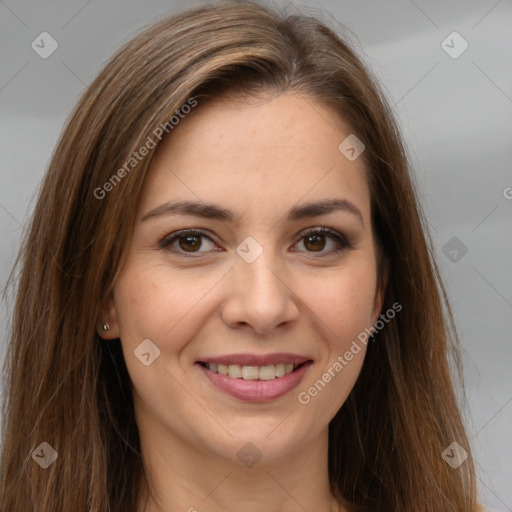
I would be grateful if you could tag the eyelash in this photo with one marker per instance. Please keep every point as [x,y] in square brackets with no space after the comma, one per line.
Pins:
[341,241]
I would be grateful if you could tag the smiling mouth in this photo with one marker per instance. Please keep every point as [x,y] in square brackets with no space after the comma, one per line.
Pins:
[265,373]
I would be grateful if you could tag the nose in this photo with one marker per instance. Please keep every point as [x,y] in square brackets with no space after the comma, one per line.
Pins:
[258,296]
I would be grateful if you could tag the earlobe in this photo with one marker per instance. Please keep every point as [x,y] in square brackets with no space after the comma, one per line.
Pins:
[106,324]
[105,329]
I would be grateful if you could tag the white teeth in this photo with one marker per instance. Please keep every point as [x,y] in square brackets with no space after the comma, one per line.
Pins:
[267,372]
[234,371]
[250,372]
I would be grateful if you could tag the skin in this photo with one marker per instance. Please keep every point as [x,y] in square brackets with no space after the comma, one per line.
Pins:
[258,158]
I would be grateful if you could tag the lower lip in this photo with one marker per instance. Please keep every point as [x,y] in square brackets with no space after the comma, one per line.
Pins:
[257,390]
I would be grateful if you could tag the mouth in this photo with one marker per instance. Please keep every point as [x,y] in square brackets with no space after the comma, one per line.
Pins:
[253,378]
[252,372]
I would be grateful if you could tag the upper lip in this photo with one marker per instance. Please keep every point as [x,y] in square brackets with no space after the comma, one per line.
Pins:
[256,359]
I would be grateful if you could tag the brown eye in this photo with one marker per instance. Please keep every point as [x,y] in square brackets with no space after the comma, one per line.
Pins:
[189,241]
[185,242]
[315,240]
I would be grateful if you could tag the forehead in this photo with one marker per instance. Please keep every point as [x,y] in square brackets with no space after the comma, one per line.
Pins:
[257,154]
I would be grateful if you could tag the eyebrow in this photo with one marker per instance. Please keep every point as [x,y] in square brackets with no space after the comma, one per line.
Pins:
[216,212]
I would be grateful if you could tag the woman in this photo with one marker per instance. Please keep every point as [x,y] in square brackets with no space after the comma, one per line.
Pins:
[227,296]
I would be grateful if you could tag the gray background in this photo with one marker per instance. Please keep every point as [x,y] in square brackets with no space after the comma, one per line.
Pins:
[455,114]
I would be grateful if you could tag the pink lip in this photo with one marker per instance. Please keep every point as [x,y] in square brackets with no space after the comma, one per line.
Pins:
[256,359]
[257,390]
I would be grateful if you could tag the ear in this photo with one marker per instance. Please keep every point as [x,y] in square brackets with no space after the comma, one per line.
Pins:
[108,317]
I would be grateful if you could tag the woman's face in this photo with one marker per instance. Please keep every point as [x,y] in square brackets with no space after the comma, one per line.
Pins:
[249,291]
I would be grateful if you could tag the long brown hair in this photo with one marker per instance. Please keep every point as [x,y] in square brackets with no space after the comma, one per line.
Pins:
[67,387]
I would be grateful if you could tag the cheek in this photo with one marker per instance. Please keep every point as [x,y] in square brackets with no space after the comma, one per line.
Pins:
[150,300]
[154,304]
[143,305]
[167,307]
[344,304]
